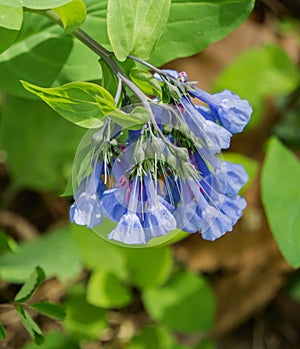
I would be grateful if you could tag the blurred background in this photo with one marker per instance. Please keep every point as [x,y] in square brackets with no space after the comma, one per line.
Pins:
[235,293]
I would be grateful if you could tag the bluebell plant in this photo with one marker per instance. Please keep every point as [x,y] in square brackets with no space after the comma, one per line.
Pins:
[167,173]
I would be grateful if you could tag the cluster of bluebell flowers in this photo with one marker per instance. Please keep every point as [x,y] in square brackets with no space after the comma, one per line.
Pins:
[167,174]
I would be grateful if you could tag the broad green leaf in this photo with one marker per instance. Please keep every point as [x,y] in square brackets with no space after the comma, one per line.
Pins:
[55,311]
[106,290]
[148,267]
[134,26]
[206,344]
[55,340]
[55,252]
[34,4]
[154,337]
[193,25]
[44,161]
[2,331]
[7,36]
[146,82]
[30,325]
[37,55]
[72,14]
[185,303]
[267,71]
[83,320]
[11,17]
[77,102]
[30,286]
[281,199]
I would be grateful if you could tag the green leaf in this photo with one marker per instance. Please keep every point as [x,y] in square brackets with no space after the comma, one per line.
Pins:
[146,82]
[72,14]
[108,80]
[11,17]
[30,325]
[134,26]
[55,252]
[77,102]
[84,320]
[45,160]
[111,258]
[7,243]
[106,290]
[7,38]
[133,120]
[55,311]
[2,331]
[55,340]
[30,286]
[184,304]
[281,199]
[193,25]
[34,4]
[148,267]
[153,337]
[38,55]
[268,68]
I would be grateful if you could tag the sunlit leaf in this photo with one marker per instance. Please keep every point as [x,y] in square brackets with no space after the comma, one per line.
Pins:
[34,4]
[72,14]
[186,294]
[55,340]
[146,82]
[77,102]
[134,26]
[106,290]
[30,286]
[11,17]
[193,25]
[281,199]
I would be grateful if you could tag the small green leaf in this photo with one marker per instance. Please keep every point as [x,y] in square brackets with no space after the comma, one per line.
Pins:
[146,82]
[133,121]
[30,286]
[72,14]
[281,199]
[30,325]
[11,17]
[34,4]
[2,331]
[148,267]
[134,26]
[185,303]
[83,320]
[78,102]
[55,340]
[106,290]
[55,311]
[153,337]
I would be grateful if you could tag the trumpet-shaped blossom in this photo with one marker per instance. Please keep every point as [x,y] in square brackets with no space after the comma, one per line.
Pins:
[167,175]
